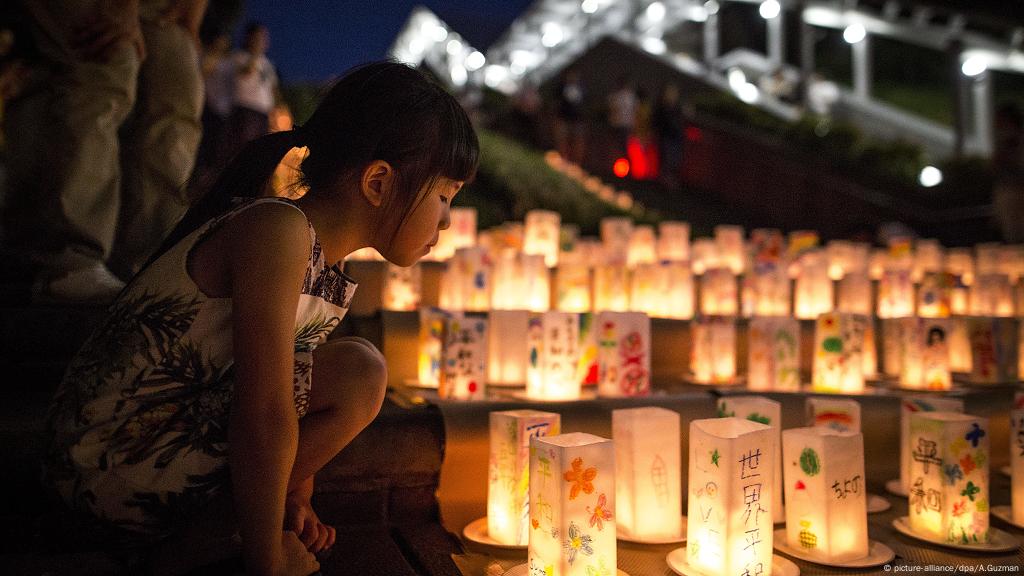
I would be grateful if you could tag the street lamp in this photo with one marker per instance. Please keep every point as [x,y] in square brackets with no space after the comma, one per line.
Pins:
[770,9]
[854,33]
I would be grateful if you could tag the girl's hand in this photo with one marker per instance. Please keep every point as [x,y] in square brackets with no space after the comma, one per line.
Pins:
[295,559]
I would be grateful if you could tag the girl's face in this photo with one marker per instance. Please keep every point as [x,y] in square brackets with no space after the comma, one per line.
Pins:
[419,233]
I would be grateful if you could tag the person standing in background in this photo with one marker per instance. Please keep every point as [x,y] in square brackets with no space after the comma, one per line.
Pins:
[255,88]
[569,130]
[668,129]
[622,114]
[1008,173]
[107,129]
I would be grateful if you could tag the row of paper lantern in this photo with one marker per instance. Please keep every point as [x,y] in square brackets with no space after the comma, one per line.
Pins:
[568,496]
[556,353]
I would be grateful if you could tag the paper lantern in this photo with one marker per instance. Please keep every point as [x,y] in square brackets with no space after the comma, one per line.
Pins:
[959,298]
[895,294]
[765,411]
[541,235]
[648,473]
[892,346]
[774,354]
[800,242]
[615,234]
[837,252]
[729,509]
[572,505]
[508,351]
[647,283]
[934,296]
[855,294]
[1017,459]
[993,349]
[878,261]
[520,282]
[1011,261]
[869,354]
[912,405]
[718,292]
[704,256]
[924,360]
[460,234]
[611,288]
[838,350]
[466,283]
[928,257]
[713,351]
[766,290]
[554,350]
[624,353]
[401,289]
[948,496]
[508,487]
[838,414]
[992,295]
[959,345]
[641,246]
[674,241]
[960,263]
[677,300]
[729,240]
[826,494]
[464,364]
[572,287]
[430,345]
[987,257]
[813,292]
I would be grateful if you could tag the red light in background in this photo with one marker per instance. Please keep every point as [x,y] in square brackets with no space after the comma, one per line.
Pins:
[694,134]
[621,167]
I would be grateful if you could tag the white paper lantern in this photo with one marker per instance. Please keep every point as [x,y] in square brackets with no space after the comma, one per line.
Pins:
[959,345]
[677,301]
[718,293]
[773,344]
[838,353]
[624,353]
[892,346]
[508,505]
[838,414]
[705,255]
[615,234]
[508,350]
[826,494]
[572,287]
[928,257]
[572,505]
[768,412]
[987,257]
[813,292]
[855,294]
[993,349]
[934,296]
[648,473]
[541,235]
[924,353]
[430,344]
[554,351]
[466,283]
[611,288]
[992,295]
[729,510]
[960,263]
[464,364]
[641,246]
[895,294]
[766,290]
[460,234]
[713,351]
[674,241]
[520,282]
[401,289]
[912,405]
[729,240]
[948,496]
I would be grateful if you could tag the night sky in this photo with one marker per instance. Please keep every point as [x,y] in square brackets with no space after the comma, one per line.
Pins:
[313,40]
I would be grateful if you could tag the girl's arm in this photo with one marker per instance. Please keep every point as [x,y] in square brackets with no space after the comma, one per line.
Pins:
[268,249]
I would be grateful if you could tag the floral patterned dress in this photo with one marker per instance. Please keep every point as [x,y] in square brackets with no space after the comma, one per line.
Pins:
[139,423]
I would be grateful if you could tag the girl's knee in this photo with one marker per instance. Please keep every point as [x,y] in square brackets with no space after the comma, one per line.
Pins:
[355,370]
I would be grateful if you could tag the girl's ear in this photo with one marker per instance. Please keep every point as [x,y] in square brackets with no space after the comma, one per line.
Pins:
[378,178]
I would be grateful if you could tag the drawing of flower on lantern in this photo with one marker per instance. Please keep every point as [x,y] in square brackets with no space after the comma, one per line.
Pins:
[577,542]
[970,490]
[968,465]
[959,508]
[953,473]
[581,479]
[599,514]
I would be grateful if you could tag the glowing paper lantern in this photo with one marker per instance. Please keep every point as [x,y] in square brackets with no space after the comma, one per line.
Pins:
[928,258]
[508,505]
[960,263]
[401,289]
[705,255]
[464,364]
[572,505]
[993,349]
[774,354]
[855,293]
[766,290]
[718,292]
[869,355]
[813,293]
[647,283]
[833,413]
[430,345]
[541,235]
[838,350]
[1017,459]
[959,345]
[987,258]
[729,510]
[895,294]
[673,241]
[677,300]
[460,234]
[553,340]
[912,405]
[838,254]
[641,246]
[713,352]
[572,287]
[615,234]
[948,495]
[765,411]
[624,353]
[648,473]
[466,283]
[934,296]
[800,242]
[877,263]
[924,362]
[611,288]
[992,295]
[520,282]
[508,349]
[826,494]
[892,346]
[729,240]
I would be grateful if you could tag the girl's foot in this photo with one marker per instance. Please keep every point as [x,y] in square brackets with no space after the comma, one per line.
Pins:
[300,518]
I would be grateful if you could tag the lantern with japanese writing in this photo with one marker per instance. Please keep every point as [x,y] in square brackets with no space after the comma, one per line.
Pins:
[648,473]
[713,350]
[895,294]
[729,240]
[615,234]
[624,353]
[826,494]
[611,288]
[729,510]
[773,344]
[834,413]
[553,341]
[718,292]
[507,347]
[674,241]
[572,505]
[765,411]
[948,494]
[838,349]
[912,405]
[430,345]
[464,359]
[541,235]
[924,362]
[813,292]
[401,287]
[508,505]
[993,349]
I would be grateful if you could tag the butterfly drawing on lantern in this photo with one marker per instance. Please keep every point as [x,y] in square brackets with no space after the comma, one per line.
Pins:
[581,479]
[577,542]
[599,514]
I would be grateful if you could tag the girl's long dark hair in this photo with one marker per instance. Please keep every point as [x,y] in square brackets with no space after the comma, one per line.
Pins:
[379,111]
